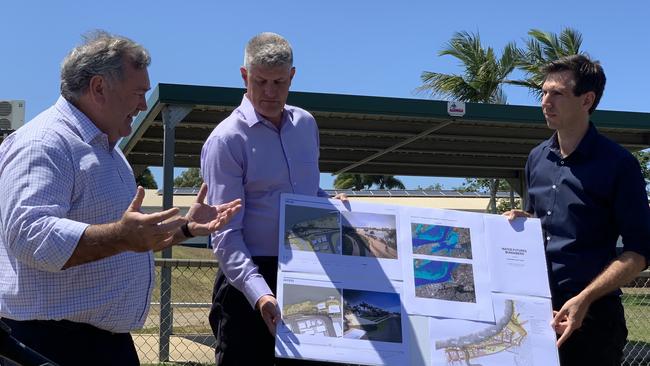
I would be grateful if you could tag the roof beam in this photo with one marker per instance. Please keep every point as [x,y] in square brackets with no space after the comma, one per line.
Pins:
[396,146]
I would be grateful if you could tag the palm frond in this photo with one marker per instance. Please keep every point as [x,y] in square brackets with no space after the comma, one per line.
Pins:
[483,71]
[446,86]
[542,48]
[571,41]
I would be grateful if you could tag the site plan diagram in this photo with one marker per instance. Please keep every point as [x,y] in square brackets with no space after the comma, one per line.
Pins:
[519,336]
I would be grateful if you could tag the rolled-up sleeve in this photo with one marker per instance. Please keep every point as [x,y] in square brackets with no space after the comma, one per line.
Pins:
[631,208]
[36,185]
[222,168]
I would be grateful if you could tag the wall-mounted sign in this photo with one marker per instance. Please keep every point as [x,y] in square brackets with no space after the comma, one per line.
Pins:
[456,109]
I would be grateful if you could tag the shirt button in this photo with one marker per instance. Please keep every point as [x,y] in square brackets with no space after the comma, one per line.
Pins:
[554,186]
[548,238]
[548,213]
[561,162]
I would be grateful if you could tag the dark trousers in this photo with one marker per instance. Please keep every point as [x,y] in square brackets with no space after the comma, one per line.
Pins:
[242,336]
[601,338]
[74,344]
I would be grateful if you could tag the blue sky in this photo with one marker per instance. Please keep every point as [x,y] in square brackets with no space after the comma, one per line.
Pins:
[358,47]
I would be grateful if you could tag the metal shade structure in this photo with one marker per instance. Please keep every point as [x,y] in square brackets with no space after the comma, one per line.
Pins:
[374,135]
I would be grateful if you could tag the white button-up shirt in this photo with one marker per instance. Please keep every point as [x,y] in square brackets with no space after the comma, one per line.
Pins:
[59,174]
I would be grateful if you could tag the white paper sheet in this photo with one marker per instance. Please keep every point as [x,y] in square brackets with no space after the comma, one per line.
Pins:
[445,264]
[342,240]
[350,321]
[520,336]
[516,256]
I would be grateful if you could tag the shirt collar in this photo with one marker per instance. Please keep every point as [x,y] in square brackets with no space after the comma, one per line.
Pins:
[85,127]
[251,117]
[588,140]
[584,147]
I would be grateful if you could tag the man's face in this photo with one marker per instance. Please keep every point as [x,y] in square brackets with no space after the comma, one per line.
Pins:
[562,109]
[268,88]
[124,100]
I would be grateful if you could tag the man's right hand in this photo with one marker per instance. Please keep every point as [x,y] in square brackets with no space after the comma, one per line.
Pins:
[513,214]
[135,232]
[268,307]
[140,232]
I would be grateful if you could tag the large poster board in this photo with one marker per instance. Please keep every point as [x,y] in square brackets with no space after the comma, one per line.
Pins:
[352,275]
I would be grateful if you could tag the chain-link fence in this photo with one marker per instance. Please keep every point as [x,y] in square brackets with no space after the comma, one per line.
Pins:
[185,336]
[636,299]
[177,328]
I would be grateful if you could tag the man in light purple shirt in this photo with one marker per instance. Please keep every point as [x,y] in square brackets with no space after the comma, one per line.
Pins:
[76,263]
[264,148]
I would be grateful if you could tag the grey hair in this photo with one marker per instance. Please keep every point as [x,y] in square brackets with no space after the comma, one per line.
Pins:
[100,54]
[268,49]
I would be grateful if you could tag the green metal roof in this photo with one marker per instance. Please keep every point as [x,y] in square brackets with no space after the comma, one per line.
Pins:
[489,141]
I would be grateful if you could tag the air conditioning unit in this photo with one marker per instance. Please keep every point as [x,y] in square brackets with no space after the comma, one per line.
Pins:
[12,114]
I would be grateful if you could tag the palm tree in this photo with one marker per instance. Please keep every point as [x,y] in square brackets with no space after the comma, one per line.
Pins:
[386,181]
[352,181]
[542,48]
[483,75]
[481,82]
[358,182]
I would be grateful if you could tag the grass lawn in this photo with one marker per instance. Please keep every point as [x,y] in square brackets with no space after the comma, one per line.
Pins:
[180,252]
[189,284]
[637,315]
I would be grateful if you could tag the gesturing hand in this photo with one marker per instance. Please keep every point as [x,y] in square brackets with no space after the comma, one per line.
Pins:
[205,219]
[268,307]
[569,318]
[143,232]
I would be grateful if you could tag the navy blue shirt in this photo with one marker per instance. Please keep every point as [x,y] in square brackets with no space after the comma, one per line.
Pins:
[585,201]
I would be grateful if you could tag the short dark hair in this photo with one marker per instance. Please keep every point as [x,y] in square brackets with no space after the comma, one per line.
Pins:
[588,75]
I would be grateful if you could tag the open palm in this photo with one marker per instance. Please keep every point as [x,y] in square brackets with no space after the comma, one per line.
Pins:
[205,219]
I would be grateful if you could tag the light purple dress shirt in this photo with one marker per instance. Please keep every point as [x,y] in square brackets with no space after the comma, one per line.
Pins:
[247,157]
[59,174]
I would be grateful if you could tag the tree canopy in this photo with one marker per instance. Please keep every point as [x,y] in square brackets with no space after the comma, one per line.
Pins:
[358,182]
[644,160]
[146,180]
[189,178]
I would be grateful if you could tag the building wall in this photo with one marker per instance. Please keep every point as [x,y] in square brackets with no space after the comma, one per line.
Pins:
[153,202]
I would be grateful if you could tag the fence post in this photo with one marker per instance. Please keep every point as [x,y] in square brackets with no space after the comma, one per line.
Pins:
[172,115]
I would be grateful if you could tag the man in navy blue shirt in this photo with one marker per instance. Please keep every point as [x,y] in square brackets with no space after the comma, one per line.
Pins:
[587,190]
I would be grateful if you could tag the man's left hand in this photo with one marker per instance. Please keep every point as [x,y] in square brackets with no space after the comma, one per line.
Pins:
[205,219]
[570,317]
